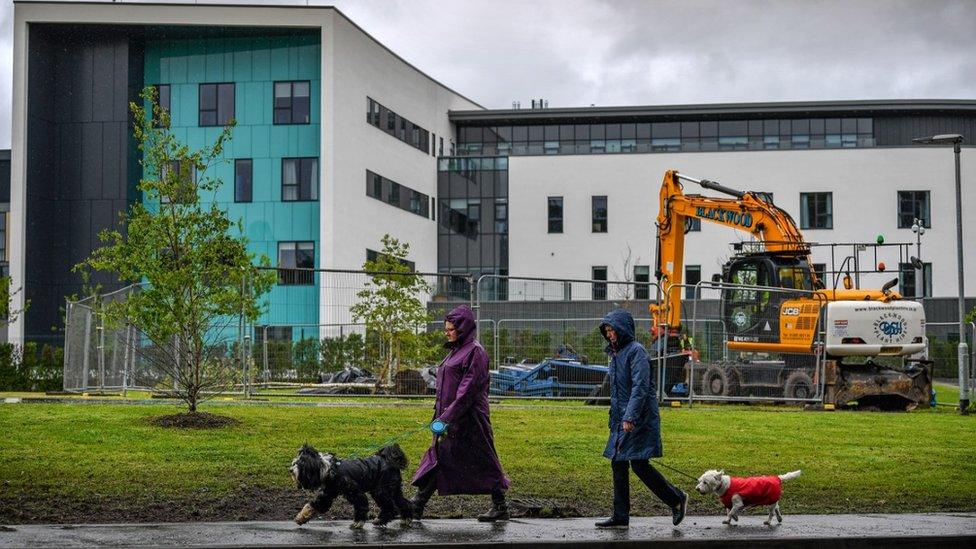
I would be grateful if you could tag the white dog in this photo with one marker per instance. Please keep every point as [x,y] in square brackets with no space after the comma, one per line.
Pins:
[738,493]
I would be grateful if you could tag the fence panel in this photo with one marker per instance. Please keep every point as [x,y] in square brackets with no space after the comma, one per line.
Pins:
[732,347]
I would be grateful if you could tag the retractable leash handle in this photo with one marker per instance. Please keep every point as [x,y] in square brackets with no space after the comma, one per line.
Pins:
[438,427]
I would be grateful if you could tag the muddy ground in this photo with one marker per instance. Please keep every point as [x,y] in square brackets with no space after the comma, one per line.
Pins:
[263,503]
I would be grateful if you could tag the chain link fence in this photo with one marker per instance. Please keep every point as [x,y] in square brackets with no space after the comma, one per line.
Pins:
[542,337]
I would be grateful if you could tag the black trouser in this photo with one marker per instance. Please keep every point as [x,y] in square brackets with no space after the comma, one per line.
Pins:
[429,485]
[651,478]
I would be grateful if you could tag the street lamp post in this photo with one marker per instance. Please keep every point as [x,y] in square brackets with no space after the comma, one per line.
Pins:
[963,350]
[918,227]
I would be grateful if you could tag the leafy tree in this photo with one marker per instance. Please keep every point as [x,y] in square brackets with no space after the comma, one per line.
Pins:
[197,275]
[390,305]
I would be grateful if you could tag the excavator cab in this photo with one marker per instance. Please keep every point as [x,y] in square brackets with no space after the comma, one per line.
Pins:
[752,314]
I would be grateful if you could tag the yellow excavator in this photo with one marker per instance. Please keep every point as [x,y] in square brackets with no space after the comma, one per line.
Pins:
[772,302]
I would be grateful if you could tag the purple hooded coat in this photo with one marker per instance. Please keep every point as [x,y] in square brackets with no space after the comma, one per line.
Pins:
[464,459]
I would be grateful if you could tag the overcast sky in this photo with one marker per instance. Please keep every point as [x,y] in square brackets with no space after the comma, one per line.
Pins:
[620,52]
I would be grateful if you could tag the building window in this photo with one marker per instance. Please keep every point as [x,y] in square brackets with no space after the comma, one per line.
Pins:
[599,288]
[291,102]
[216,104]
[642,275]
[816,211]
[910,284]
[399,127]
[374,256]
[599,214]
[3,237]
[692,277]
[391,192]
[501,216]
[692,224]
[912,205]
[163,100]
[555,214]
[243,179]
[292,257]
[182,179]
[299,179]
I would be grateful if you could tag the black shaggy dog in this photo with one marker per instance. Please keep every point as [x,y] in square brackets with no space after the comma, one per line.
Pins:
[377,475]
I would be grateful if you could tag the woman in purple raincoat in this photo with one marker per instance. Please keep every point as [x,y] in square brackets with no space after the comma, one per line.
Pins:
[462,460]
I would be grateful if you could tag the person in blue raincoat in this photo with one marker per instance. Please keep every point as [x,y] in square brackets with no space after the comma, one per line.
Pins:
[635,425]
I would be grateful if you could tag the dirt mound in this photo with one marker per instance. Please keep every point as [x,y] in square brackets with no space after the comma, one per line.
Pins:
[194,420]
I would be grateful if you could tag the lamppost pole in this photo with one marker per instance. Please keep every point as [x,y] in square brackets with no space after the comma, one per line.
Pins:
[918,227]
[963,349]
[963,353]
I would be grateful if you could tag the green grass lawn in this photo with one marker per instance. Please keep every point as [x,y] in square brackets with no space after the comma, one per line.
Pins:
[59,462]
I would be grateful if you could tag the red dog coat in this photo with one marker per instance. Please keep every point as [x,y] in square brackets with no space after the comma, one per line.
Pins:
[754,490]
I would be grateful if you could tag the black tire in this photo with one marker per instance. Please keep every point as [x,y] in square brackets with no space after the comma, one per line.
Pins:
[798,385]
[716,381]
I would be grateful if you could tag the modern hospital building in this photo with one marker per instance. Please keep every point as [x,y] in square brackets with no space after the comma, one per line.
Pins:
[340,141]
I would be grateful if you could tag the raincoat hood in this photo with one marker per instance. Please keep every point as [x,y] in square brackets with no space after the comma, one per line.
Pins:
[622,323]
[462,318]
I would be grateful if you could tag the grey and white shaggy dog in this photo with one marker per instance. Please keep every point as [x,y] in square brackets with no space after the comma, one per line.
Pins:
[378,475]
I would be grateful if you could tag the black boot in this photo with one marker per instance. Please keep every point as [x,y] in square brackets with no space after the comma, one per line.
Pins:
[418,505]
[498,511]
[614,522]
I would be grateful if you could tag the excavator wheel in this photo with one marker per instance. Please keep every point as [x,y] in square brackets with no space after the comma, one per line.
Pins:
[718,381]
[798,385]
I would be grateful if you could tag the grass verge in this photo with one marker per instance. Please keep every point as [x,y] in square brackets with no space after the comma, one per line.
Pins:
[103,463]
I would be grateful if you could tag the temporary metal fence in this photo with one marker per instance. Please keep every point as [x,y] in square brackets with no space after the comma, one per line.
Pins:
[98,356]
[101,355]
[943,339]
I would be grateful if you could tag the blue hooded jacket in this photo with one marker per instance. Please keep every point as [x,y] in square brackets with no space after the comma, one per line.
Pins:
[632,395]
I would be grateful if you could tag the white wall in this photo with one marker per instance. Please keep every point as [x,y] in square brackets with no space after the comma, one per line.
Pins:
[357,66]
[864,183]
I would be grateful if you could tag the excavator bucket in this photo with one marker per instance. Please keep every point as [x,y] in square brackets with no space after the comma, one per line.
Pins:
[875,386]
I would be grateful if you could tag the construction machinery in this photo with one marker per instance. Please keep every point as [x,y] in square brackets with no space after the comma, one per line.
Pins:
[773,306]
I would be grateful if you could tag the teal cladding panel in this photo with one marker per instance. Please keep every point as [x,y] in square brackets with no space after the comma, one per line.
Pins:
[253,64]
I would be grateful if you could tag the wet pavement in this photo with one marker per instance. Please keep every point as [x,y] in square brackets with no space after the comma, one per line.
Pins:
[917,530]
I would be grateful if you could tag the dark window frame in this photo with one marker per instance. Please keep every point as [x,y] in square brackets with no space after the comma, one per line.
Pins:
[291,275]
[290,109]
[599,219]
[312,189]
[246,194]
[555,225]
[820,211]
[642,280]
[599,292]
[165,102]
[906,219]
[691,292]
[217,86]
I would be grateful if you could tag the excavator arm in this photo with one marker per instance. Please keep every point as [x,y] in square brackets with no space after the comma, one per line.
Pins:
[746,211]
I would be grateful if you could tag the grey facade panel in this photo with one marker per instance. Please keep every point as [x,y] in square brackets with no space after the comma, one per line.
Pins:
[900,130]
[78,159]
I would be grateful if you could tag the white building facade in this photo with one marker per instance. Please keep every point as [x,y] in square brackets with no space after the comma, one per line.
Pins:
[394,151]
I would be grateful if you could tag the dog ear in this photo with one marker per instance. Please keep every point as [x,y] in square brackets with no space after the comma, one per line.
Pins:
[721,471]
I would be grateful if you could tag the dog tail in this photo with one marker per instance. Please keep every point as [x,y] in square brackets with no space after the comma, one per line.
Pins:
[789,476]
[394,455]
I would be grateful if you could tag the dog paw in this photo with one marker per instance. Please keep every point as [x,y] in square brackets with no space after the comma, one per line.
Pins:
[406,523]
[358,525]
[767,523]
[379,523]
[305,515]
[727,521]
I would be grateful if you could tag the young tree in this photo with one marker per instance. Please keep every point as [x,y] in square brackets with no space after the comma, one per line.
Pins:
[391,307]
[197,277]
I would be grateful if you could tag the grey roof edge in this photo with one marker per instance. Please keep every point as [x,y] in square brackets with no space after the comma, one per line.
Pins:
[275,6]
[785,107]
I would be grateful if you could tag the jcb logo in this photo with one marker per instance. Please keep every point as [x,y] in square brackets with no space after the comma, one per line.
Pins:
[791,311]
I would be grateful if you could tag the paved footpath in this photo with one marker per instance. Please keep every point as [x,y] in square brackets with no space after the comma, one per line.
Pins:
[940,530]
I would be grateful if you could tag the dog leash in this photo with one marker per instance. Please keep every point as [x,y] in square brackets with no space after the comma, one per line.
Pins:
[679,471]
[429,426]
